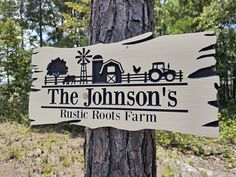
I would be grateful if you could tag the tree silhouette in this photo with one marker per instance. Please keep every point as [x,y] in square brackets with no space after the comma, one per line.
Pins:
[56,68]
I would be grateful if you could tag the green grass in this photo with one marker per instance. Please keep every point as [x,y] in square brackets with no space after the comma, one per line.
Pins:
[201,146]
[181,143]
[47,167]
[66,162]
[13,153]
[81,158]
[190,162]
[203,173]
[168,172]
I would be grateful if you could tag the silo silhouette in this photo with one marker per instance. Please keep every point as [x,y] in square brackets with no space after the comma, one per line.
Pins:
[96,67]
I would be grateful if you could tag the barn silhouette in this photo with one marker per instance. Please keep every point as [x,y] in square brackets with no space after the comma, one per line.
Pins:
[108,72]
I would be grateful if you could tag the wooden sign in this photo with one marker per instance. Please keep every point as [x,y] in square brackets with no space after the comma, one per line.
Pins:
[166,82]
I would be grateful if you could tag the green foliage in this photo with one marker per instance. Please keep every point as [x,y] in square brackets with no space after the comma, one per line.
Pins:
[66,24]
[56,23]
[28,24]
[168,172]
[203,173]
[228,125]
[177,16]
[226,66]
[217,14]
[16,71]
[76,23]
[13,153]
[81,159]
[24,25]
[47,166]
[66,162]
[189,144]
[74,130]
[7,8]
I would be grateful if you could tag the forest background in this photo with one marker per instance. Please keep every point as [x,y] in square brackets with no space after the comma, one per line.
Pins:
[27,24]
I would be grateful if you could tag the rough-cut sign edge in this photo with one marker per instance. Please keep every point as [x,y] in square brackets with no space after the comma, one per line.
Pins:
[36,71]
[213,103]
[140,40]
[134,40]
[210,34]
[146,37]
[137,39]
[216,85]
[208,71]
[203,72]
[70,121]
[210,47]
[74,122]
[34,89]
[206,56]
[214,124]
[141,37]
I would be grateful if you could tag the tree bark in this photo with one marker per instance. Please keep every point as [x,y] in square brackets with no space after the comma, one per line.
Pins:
[234,85]
[227,96]
[111,152]
[40,24]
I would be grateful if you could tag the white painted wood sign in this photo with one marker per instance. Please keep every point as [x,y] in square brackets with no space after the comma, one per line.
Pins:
[166,83]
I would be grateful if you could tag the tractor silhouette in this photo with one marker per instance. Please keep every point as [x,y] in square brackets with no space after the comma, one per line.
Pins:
[159,70]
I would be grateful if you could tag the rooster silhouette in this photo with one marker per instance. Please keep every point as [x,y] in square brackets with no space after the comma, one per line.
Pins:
[136,70]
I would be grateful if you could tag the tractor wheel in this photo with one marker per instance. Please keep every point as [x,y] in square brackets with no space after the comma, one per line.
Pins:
[170,76]
[154,75]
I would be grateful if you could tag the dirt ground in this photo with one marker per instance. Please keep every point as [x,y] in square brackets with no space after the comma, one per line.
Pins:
[26,152]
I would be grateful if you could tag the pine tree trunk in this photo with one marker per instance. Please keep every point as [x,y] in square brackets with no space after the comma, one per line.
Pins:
[110,152]
[227,96]
[40,24]
[234,85]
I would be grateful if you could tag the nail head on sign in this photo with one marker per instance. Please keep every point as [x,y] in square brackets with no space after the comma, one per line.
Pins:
[85,95]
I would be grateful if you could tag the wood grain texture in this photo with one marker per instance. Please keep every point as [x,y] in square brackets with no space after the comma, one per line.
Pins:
[195,84]
[111,152]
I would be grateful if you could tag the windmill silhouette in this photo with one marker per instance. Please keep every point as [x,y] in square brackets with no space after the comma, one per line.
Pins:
[83,61]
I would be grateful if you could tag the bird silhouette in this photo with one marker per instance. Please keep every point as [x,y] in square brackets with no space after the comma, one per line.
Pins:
[136,70]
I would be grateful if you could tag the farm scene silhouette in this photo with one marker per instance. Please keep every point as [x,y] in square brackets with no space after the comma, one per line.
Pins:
[109,72]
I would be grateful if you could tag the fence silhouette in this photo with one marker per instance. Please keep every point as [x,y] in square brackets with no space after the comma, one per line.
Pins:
[126,78]
[144,77]
[61,79]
